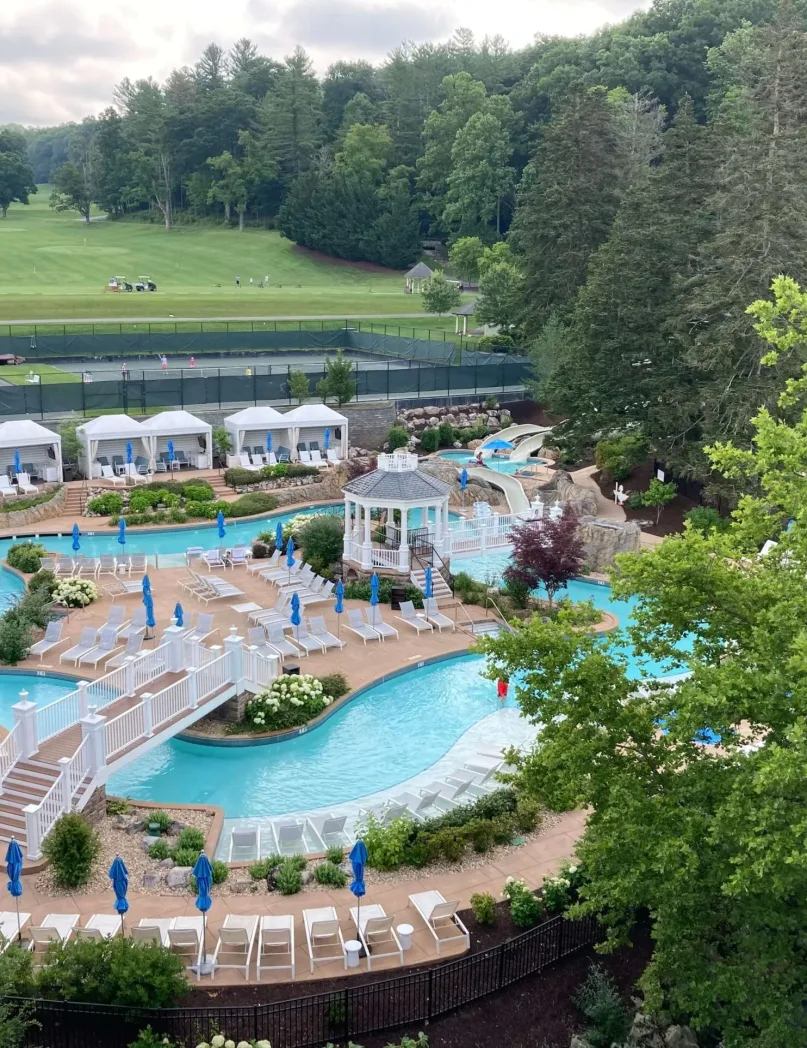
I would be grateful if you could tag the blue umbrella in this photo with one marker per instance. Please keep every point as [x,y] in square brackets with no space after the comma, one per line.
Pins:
[220,522]
[279,536]
[427,585]
[122,531]
[146,585]
[326,442]
[14,871]
[76,537]
[294,618]
[119,876]
[170,451]
[463,479]
[203,872]
[148,604]
[374,589]
[339,607]
[17,463]
[179,614]
[269,440]
[290,555]
[129,451]
[358,860]
[499,445]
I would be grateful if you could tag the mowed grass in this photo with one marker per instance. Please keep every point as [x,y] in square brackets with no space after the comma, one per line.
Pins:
[16,374]
[53,266]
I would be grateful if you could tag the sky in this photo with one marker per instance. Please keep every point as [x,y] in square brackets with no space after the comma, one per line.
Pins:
[60,59]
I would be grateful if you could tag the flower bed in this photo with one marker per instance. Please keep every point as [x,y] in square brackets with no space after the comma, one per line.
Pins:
[283,475]
[288,703]
[75,593]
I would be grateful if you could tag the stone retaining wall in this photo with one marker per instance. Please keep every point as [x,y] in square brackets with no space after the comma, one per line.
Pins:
[23,518]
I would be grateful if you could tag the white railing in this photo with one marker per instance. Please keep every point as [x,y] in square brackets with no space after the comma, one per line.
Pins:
[9,752]
[384,558]
[260,669]
[170,702]
[482,532]
[76,771]
[38,822]
[125,730]
[150,666]
[398,462]
[57,716]
[212,677]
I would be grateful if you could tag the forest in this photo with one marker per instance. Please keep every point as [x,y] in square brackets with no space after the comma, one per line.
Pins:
[620,198]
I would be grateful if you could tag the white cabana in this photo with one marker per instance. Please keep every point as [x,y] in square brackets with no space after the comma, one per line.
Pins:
[39,448]
[248,429]
[309,421]
[103,442]
[190,435]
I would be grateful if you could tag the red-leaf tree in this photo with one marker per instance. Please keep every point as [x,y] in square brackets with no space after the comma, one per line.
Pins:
[545,552]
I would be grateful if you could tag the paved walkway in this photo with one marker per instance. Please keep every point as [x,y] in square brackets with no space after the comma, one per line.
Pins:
[606,509]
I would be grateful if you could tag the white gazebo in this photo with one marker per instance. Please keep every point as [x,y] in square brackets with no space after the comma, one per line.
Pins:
[417,276]
[465,310]
[190,435]
[39,448]
[309,421]
[249,428]
[416,505]
[106,437]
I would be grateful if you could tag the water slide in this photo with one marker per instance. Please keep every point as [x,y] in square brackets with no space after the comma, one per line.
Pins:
[512,433]
[513,491]
[525,447]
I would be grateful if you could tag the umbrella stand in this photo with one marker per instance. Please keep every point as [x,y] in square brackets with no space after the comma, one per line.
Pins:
[19,925]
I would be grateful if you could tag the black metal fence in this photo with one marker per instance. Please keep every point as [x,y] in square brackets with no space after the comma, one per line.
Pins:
[410,999]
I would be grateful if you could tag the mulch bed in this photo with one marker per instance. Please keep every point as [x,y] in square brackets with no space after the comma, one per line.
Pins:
[523,411]
[672,515]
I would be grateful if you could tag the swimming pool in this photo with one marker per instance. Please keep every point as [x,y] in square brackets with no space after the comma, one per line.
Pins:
[42,689]
[497,463]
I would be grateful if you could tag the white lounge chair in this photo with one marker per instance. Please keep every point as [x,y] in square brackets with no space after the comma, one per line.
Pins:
[186,938]
[356,624]
[376,932]
[449,793]
[305,456]
[236,941]
[283,572]
[332,457]
[153,930]
[316,458]
[136,625]
[10,925]
[245,844]
[440,916]
[64,566]
[245,462]
[289,837]
[477,778]
[137,564]
[322,932]
[193,553]
[116,619]
[258,564]
[436,617]
[414,618]
[24,484]
[203,629]
[100,926]
[329,829]
[107,645]
[134,646]
[108,474]
[321,633]
[7,489]
[55,927]
[418,806]
[107,565]
[213,559]
[86,642]
[317,596]
[52,638]
[218,589]
[48,564]
[387,812]
[276,943]
[279,643]
[239,556]
[85,566]
[375,620]
[304,639]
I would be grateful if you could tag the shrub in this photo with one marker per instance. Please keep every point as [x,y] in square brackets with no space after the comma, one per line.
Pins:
[157,818]
[617,457]
[254,502]
[259,870]
[446,434]
[220,871]
[502,828]
[191,838]
[44,581]
[105,505]
[517,591]
[75,592]
[26,557]
[289,702]
[118,806]
[238,477]
[484,906]
[185,856]
[500,342]
[705,519]
[528,812]
[178,516]
[525,906]
[636,500]
[34,608]
[113,971]
[480,833]
[335,854]
[15,639]
[288,879]
[198,492]
[334,685]
[298,861]
[71,847]
[423,850]
[599,1000]
[386,845]
[397,437]
[322,540]
[430,439]
[491,402]
[328,873]
[452,843]
[159,850]
[556,893]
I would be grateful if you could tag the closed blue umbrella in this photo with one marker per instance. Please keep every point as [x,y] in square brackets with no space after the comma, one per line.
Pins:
[295,618]
[122,531]
[279,536]
[463,479]
[129,451]
[76,537]
[326,441]
[148,604]
[179,614]
[269,440]
[146,585]
[203,872]
[170,451]
[220,522]
[14,871]
[339,607]
[358,860]
[427,585]
[17,463]
[119,876]
[374,589]
[290,556]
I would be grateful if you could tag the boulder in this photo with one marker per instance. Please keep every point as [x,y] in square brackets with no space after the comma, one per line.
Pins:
[307,877]
[420,423]
[579,1041]
[680,1037]
[473,444]
[604,539]
[148,841]
[242,885]
[645,1033]
[457,444]
[410,426]
[179,876]
[153,878]
[581,501]
[431,412]
[450,419]
[416,413]
[493,425]
[167,864]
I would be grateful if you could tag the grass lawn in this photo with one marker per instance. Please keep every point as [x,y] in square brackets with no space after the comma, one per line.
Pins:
[16,373]
[53,266]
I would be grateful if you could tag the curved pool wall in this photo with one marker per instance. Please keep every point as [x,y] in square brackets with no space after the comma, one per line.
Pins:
[43,688]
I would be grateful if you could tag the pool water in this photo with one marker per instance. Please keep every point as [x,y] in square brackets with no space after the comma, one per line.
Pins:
[42,690]
[498,463]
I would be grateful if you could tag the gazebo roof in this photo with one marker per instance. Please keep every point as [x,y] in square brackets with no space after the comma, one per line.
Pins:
[26,433]
[255,417]
[420,271]
[170,423]
[465,310]
[314,415]
[111,426]
[405,486]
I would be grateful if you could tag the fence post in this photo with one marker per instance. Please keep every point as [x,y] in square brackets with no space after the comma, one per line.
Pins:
[93,727]
[501,965]
[429,988]
[129,675]
[233,645]
[64,780]
[25,720]
[193,688]
[32,835]
[148,719]
[83,700]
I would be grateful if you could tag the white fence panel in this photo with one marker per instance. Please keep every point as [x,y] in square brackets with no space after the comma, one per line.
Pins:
[9,752]
[170,702]
[125,730]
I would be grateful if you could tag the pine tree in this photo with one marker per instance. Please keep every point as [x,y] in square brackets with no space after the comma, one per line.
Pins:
[568,199]
[481,176]
[290,116]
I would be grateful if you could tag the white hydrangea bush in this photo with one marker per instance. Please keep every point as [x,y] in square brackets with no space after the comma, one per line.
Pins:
[289,702]
[75,593]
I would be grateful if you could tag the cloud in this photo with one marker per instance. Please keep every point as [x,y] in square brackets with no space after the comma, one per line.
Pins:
[361,27]
[60,37]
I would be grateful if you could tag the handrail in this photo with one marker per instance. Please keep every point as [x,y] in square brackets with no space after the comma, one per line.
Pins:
[9,753]
[504,621]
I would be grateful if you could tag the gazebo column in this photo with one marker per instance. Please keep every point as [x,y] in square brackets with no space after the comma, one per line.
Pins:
[403,552]
[348,541]
[366,550]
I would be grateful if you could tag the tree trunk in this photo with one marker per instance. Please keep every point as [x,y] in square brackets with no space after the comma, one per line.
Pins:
[240,221]
[226,212]
[4,210]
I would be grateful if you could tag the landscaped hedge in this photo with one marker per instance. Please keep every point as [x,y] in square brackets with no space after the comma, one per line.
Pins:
[361,591]
[238,477]
[26,557]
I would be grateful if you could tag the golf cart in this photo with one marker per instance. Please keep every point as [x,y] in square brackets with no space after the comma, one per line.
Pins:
[119,284]
[145,284]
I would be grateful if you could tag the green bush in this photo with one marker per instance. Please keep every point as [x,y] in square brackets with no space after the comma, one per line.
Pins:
[430,439]
[191,838]
[221,871]
[484,906]
[528,812]
[397,437]
[526,908]
[26,557]
[334,685]
[335,854]
[185,856]
[503,828]
[15,639]
[105,505]
[617,457]
[198,492]
[254,502]
[238,477]
[258,870]
[452,843]
[34,607]
[386,845]
[361,591]
[157,818]
[178,516]
[423,850]
[480,834]
[42,581]
[599,1000]
[328,873]
[288,879]
[636,500]
[71,847]
[500,342]
[322,540]
[113,971]
[160,850]
[446,434]
[705,519]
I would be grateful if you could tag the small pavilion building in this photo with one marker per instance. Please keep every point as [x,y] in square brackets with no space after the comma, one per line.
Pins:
[394,512]
[416,277]
[462,312]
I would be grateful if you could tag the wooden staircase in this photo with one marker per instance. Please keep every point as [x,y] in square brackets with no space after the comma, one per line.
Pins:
[27,783]
[440,588]
[75,500]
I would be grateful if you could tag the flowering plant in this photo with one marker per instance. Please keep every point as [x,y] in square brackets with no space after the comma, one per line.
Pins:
[220,1041]
[290,701]
[75,593]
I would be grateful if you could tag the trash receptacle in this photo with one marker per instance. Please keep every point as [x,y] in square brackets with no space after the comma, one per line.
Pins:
[292,670]
[352,951]
[398,595]
[405,932]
